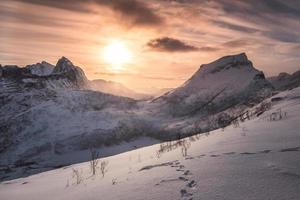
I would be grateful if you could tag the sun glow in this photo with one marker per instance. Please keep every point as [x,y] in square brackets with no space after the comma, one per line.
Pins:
[117,55]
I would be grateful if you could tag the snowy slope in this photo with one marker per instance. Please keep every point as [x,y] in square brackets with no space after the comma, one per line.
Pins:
[53,114]
[257,159]
[219,85]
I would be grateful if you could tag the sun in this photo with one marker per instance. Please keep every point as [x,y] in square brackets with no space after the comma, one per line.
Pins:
[117,55]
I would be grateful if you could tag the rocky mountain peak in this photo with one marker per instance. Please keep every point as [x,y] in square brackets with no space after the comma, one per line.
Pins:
[226,62]
[63,65]
[226,82]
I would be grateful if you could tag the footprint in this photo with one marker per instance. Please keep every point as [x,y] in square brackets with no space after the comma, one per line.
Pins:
[229,153]
[265,151]
[191,184]
[189,158]
[247,153]
[187,172]
[214,155]
[184,193]
[290,149]
[183,178]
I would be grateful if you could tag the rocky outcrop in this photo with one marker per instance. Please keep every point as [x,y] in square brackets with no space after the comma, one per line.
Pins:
[65,67]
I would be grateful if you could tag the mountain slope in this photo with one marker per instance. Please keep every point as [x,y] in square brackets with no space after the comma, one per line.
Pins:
[285,81]
[256,159]
[222,84]
[53,114]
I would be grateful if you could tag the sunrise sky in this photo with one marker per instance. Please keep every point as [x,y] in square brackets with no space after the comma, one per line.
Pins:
[161,42]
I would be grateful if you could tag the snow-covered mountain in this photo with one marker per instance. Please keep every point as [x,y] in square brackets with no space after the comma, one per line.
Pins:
[41,69]
[116,88]
[50,114]
[252,160]
[285,81]
[217,86]
[44,117]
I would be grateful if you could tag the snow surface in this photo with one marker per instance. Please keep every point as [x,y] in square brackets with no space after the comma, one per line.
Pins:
[259,159]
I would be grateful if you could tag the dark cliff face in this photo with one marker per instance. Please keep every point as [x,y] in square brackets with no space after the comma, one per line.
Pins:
[13,71]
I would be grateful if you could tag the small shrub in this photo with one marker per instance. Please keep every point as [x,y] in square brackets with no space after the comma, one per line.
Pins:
[103,167]
[77,175]
[94,161]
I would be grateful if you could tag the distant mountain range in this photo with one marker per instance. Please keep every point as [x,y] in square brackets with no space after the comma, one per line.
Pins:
[117,89]
[48,111]
[285,81]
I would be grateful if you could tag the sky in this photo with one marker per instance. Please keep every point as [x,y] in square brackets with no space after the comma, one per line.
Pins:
[167,40]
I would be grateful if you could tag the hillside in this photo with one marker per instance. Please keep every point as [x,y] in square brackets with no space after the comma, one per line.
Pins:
[53,116]
[285,81]
[254,159]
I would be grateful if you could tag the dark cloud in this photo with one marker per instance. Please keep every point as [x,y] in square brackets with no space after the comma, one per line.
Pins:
[258,7]
[234,27]
[134,11]
[283,36]
[170,45]
[139,12]
[270,17]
